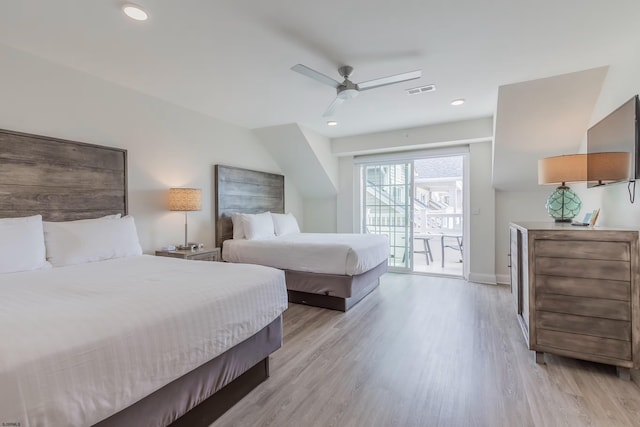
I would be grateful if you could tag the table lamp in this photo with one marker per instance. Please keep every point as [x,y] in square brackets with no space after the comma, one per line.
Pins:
[563,204]
[605,168]
[185,199]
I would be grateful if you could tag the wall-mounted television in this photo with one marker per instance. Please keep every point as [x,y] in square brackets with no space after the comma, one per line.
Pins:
[618,132]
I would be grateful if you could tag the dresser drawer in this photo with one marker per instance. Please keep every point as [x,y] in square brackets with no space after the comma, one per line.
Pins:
[585,268]
[591,307]
[594,326]
[605,347]
[580,287]
[583,249]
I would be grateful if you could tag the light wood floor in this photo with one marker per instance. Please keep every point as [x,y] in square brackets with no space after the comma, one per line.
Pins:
[427,351]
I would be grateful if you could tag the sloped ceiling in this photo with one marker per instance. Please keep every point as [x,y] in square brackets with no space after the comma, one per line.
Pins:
[541,118]
[298,153]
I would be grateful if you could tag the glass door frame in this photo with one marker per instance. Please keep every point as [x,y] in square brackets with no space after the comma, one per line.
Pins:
[408,227]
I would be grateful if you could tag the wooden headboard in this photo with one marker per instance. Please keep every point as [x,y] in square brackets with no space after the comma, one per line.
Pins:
[244,191]
[62,180]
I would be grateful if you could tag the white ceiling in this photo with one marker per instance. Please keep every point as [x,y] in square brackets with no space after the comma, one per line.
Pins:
[230,59]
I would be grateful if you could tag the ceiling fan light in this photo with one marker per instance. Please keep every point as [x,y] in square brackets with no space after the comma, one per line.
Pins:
[348,93]
[135,12]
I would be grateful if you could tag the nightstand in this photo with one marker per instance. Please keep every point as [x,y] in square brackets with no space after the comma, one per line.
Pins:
[207,254]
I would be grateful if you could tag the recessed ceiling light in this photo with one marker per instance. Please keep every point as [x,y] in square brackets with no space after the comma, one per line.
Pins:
[332,123]
[457,101]
[134,11]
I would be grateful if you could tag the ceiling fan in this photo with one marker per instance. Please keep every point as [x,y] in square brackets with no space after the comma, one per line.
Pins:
[347,89]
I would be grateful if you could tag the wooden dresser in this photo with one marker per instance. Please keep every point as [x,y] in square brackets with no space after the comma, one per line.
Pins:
[576,292]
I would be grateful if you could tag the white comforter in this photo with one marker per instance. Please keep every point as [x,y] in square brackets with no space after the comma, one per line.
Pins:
[80,343]
[329,253]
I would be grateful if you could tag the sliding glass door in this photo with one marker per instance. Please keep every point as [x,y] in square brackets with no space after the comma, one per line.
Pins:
[387,206]
[420,201]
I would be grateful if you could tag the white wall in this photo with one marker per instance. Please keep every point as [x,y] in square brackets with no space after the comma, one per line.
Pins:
[424,137]
[540,118]
[320,215]
[304,161]
[346,204]
[621,83]
[482,215]
[168,146]
[321,146]
[516,206]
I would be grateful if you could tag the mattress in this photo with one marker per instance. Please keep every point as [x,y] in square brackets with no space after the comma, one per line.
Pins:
[80,343]
[328,253]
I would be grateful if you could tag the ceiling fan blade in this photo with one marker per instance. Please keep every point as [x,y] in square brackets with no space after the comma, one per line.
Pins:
[332,108]
[384,81]
[306,71]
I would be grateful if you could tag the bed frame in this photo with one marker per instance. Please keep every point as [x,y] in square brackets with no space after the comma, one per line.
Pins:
[65,180]
[250,191]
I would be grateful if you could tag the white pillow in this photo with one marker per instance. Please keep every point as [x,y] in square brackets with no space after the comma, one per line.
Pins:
[115,216]
[238,225]
[22,244]
[78,242]
[258,226]
[285,224]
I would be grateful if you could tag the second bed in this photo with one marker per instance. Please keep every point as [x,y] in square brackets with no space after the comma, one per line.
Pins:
[324,269]
[329,270]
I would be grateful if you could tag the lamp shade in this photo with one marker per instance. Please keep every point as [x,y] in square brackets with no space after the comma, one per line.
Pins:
[608,167]
[562,169]
[185,199]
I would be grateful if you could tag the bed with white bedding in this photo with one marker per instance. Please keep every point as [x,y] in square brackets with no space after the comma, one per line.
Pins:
[89,326]
[327,270]
[327,253]
[85,341]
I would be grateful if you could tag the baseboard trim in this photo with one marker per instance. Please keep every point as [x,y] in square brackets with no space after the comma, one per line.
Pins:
[503,279]
[488,279]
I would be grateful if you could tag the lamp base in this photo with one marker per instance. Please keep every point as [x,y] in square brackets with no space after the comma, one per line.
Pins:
[563,204]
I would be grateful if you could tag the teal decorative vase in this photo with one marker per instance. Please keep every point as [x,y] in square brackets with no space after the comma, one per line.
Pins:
[563,204]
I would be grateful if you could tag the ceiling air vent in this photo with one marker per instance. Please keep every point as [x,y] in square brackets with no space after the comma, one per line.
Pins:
[421,89]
